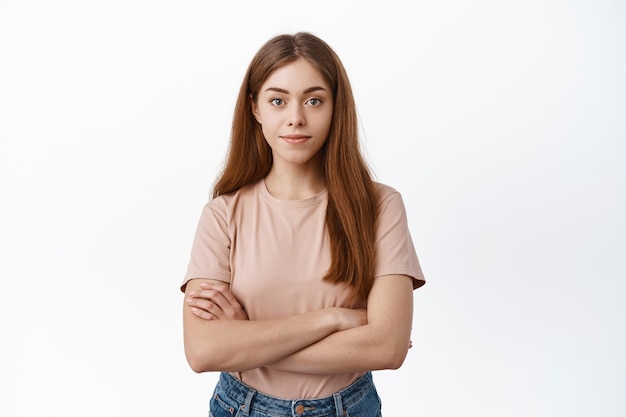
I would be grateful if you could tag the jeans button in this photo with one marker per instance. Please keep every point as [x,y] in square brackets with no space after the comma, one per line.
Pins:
[300,409]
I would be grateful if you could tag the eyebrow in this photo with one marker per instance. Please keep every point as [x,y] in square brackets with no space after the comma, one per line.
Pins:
[307,91]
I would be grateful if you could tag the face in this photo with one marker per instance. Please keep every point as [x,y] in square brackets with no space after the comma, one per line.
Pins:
[294,107]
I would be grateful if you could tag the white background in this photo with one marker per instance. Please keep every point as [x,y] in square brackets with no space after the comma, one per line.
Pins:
[503,123]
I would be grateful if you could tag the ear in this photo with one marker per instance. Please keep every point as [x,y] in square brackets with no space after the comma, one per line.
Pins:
[255,110]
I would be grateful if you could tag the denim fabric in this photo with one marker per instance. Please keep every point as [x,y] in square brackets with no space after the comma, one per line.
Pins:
[232,398]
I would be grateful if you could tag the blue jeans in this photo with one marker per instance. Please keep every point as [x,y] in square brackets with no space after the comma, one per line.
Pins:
[232,398]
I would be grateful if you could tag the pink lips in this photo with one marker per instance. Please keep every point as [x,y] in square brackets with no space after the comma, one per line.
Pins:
[295,139]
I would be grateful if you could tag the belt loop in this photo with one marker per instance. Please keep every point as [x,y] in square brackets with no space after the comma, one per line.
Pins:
[338,404]
[245,408]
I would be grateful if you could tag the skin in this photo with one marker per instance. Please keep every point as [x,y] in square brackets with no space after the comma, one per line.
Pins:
[294,108]
[229,344]
[372,339]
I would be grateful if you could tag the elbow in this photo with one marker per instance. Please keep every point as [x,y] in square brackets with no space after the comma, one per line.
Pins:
[197,369]
[196,362]
[393,355]
[200,361]
[395,361]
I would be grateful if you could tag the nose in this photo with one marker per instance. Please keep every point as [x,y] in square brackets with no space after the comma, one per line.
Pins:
[296,116]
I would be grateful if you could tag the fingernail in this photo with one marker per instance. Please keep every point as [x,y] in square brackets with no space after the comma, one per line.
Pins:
[188,300]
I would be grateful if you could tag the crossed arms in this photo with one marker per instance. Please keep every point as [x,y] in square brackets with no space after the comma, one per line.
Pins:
[219,337]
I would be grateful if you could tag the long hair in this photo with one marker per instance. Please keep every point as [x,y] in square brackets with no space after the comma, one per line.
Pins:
[351,212]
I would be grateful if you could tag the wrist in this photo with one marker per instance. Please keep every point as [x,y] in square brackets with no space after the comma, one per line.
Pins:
[332,319]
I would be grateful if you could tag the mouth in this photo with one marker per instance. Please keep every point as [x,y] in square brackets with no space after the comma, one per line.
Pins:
[295,139]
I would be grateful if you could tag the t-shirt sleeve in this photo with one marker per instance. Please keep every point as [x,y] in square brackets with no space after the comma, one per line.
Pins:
[210,252]
[395,253]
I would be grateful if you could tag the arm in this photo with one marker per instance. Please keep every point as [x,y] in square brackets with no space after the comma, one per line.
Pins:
[380,344]
[239,344]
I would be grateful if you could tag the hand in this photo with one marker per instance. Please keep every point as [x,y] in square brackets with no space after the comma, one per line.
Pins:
[215,302]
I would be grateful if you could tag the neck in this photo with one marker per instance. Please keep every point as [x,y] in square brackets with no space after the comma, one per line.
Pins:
[294,184]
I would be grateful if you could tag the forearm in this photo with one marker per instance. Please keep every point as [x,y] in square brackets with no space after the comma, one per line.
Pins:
[359,349]
[332,340]
[238,345]
[382,343]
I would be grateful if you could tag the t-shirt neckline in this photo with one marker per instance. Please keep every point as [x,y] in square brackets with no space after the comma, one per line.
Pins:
[316,199]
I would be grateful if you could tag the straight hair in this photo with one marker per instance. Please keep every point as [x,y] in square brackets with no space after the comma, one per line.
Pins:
[352,204]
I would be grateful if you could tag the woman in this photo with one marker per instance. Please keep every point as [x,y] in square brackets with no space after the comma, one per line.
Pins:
[302,268]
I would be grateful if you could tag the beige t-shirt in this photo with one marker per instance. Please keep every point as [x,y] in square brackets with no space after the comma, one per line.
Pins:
[274,253]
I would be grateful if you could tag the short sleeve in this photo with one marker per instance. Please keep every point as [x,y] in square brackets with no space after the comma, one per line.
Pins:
[395,252]
[210,252]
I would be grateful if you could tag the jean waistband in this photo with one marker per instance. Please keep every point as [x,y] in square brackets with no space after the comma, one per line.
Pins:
[333,405]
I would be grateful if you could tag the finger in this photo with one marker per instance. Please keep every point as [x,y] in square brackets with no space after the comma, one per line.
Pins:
[214,286]
[203,301]
[214,295]
[223,297]
[207,305]
[224,290]
[228,303]
[203,314]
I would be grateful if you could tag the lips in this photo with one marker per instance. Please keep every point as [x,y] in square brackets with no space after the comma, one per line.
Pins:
[295,139]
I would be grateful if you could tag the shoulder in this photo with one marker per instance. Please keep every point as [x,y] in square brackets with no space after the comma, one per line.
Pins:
[227,202]
[389,205]
[385,192]
[223,208]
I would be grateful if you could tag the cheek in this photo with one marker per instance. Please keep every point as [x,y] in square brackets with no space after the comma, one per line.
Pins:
[326,122]
[328,118]
[267,133]
[268,122]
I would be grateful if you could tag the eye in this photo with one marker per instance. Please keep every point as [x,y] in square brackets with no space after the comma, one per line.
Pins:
[314,101]
[277,101]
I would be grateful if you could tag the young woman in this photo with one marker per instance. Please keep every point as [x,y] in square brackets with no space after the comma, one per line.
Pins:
[302,268]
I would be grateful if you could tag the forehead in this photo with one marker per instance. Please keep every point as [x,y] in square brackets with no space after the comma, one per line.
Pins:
[295,76]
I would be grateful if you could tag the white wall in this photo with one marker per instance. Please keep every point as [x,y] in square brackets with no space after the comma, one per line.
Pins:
[502,123]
